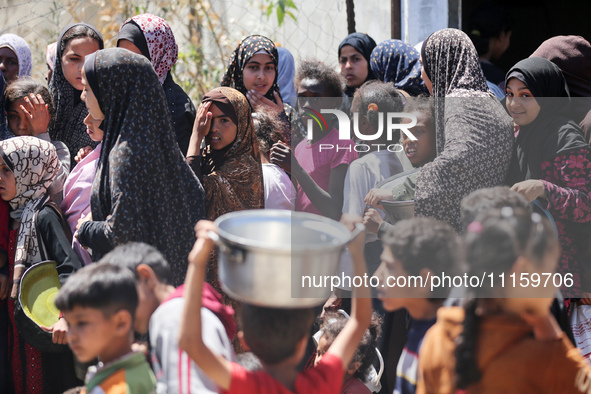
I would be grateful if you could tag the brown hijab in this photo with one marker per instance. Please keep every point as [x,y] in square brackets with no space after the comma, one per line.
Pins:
[233,176]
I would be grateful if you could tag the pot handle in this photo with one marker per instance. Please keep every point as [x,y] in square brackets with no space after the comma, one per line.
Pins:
[236,253]
[359,228]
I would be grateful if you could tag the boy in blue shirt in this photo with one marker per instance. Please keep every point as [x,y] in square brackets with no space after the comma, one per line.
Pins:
[418,247]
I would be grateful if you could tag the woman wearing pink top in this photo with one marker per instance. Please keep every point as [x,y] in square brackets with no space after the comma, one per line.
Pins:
[76,203]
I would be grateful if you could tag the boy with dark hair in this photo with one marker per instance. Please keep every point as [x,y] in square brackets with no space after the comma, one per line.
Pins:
[414,251]
[159,310]
[318,163]
[487,199]
[99,303]
[418,152]
[278,337]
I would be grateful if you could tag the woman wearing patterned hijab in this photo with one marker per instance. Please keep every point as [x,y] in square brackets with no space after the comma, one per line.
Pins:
[230,165]
[151,36]
[474,132]
[397,62]
[75,42]
[38,235]
[245,80]
[144,190]
[15,57]
[252,71]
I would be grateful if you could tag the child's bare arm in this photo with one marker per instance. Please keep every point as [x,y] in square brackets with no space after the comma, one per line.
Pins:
[217,368]
[346,343]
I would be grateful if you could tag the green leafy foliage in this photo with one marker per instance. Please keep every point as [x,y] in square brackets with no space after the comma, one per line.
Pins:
[282,8]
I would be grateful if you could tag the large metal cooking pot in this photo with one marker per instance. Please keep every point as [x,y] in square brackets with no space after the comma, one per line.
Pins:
[264,254]
[399,210]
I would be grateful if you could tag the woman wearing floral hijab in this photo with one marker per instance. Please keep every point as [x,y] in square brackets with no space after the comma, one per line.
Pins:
[27,169]
[474,133]
[397,62]
[144,190]
[151,36]
[75,42]
[15,55]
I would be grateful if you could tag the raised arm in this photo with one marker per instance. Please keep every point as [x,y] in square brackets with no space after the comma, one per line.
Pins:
[345,344]
[217,368]
[329,203]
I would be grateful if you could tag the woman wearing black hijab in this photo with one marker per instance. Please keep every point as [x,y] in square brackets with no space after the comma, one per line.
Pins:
[67,125]
[354,58]
[144,190]
[551,160]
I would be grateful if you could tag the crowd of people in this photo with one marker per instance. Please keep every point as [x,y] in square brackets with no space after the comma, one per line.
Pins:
[112,172]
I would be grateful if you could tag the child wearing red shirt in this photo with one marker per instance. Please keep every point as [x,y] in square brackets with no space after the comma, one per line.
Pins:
[278,337]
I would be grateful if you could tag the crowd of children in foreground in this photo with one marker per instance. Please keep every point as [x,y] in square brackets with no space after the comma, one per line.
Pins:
[488,345]
[112,173]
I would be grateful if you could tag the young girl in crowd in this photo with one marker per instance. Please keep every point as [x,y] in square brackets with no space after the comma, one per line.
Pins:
[27,169]
[78,185]
[320,174]
[279,190]
[253,71]
[552,161]
[143,190]
[15,57]
[489,346]
[151,36]
[74,44]
[396,62]
[356,375]
[354,56]
[372,100]
[419,153]
[230,164]
[30,109]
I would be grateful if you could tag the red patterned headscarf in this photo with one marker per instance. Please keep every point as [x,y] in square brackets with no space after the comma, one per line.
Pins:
[159,40]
